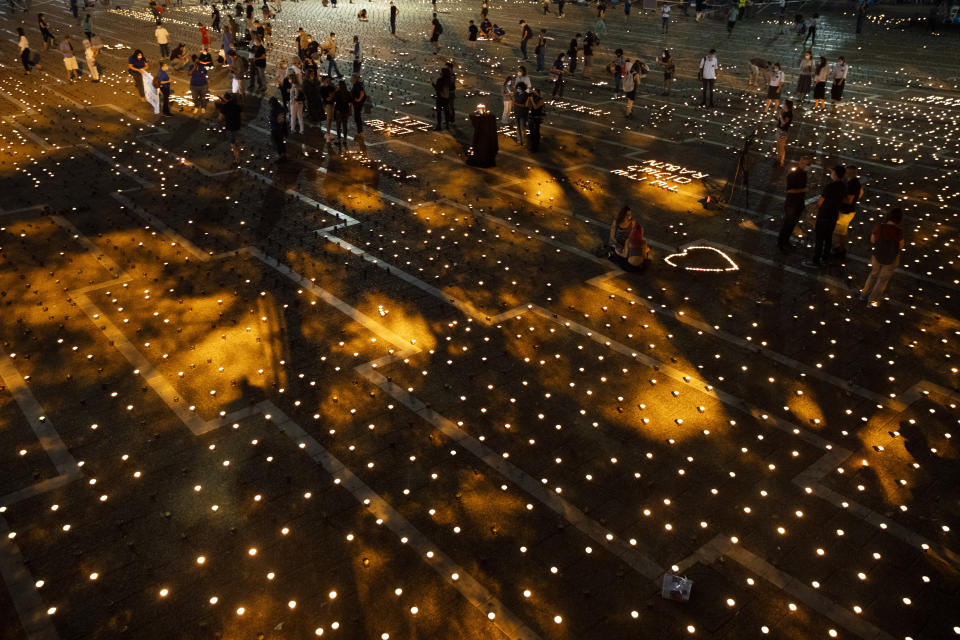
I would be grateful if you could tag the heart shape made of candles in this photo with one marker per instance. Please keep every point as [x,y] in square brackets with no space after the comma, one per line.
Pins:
[673,259]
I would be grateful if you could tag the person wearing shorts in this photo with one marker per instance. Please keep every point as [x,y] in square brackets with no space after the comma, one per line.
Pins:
[774,87]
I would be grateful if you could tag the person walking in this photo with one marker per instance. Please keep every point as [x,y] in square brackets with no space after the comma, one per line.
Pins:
[560,5]
[558,72]
[525,34]
[794,203]
[536,106]
[69,59]
[48,40]
[163,40]
[25,55]
[629,85]
[784,120]
[297,102]
[812,31]
[541,49]
[669,70]
[258,69]
[163,79]
[806,76]
[626,11]
[435,34]
[887,241]
[330,49]
[774,88]
[359,95]
[278,128]
[731,20]
[700,6]
[709,67]
[394,12]
[839,75]
[87,26]
[665,17]
[827,214]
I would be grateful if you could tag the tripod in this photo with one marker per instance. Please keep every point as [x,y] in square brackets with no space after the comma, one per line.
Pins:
[742,173]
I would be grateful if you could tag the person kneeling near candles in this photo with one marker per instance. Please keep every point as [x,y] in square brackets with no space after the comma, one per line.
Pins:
[627,247]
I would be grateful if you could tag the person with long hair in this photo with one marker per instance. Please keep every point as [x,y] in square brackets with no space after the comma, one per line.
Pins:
[820,75]
[24,50]
[48,39]
[297,102]
[806,76]
[784,120]
[627,247]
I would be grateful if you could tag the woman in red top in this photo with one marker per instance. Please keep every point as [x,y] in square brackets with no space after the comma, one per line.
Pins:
[204,35]
[887,240]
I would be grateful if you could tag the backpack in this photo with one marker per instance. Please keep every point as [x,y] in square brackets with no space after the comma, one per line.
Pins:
[628,83]
[156,82]
[439,28]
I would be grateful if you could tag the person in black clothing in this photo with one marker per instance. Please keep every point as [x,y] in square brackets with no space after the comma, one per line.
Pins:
[435,34]
[278,127]
[393,18]
[795,202]
[443,87]
[525,34]
[472,29]
[854,191]
[536,105]
[451,104]
[359,98]
[231,111]
[829,203]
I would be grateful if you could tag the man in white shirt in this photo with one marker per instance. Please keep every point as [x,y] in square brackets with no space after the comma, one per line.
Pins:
[163,39]
[665,17]
[709,66]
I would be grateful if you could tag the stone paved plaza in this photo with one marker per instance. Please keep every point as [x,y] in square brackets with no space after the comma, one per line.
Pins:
[374,392]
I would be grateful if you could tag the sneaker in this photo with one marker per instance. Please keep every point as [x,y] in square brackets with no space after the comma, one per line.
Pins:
[813,264]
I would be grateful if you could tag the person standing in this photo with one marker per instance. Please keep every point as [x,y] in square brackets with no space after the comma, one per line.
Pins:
[525,34]
[198,83]
[521,112]
[326,98]
[330,48]
[506,92]
[626,11]
[357,58]
[394,12]
[820,75]
[297,103]
[812,31]
[25,56]
[278,128]
[887,241]
[435,34]
[204,36]
[90,54]
[342,101]
[806,76]
[259,68]
[545,4]
[541,49]
[442,87]
[215,18]
[87,26]
[588,44]
[827,214]
[560,5]
[861,14]
[163,78]
[163,39]
[48,39]
[665,17]
[451,105]
[854,191]
[784,120]
[669,70]
[794,204]
[558,72]
[136,66]
[359,95]
[839,74]
[536,106]
[774,89]
[700,6]
[572,54]
[709,66]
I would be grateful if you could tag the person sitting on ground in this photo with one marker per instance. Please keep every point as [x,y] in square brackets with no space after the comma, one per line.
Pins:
[178,57]
[498,33]
[362,16]
[627,247]
[486,28]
